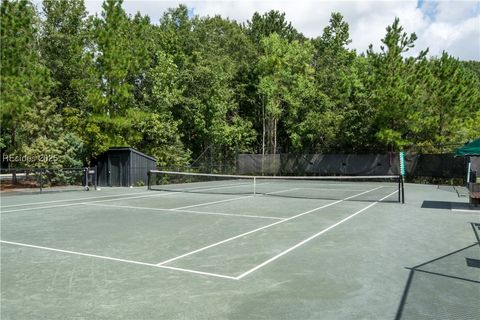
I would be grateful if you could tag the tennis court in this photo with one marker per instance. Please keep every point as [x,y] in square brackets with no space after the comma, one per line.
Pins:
[230,249]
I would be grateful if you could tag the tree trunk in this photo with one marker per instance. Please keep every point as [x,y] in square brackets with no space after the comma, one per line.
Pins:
[274,136]
[263,134]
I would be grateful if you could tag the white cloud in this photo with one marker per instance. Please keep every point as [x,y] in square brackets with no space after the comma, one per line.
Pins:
[461,39]
[453,26]
[456,11]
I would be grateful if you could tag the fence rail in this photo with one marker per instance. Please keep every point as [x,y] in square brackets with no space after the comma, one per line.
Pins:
[15,180]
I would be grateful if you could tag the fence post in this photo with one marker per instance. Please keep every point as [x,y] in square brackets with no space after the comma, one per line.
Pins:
[41,180]
[148,180]
[95,177]
[86,173]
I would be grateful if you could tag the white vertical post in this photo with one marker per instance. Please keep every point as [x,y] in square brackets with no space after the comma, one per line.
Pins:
[86,173]
[254,185]
[468,171]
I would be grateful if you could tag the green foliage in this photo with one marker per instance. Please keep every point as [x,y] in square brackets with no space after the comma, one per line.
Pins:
[64,37]
[337,84]
[24,78]
[286,86]
[448,113]
[202,84]
[49,145]
[473,66]
[206,88]
[157,135]
[393,86]
[271,22]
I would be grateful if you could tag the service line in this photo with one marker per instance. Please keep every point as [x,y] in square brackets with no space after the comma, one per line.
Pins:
[262,228]
[261,265]
[185,211]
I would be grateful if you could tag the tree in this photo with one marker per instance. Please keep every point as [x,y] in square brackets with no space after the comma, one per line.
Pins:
[286,86]
[47,139]
[207,88]
[271,22]
[26,82]
[473,66]
[392,87]
[203,59]
[114,61]
[63,40]
[115,64]
[336,85]
[448,112]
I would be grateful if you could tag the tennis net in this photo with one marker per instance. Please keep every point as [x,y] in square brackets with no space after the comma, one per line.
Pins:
[354,188]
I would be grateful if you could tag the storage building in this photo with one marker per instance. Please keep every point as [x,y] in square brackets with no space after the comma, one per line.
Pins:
[123,167]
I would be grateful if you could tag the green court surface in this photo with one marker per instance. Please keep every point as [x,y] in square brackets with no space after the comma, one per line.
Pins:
[131,253]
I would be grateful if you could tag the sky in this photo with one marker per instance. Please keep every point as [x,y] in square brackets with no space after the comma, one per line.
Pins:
[452,26]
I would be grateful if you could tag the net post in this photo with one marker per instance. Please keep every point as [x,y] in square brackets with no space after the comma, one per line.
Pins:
[401,156]
[399,188]
[254,185]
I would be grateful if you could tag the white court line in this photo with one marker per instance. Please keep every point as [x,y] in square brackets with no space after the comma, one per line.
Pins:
[342,183]
[186,211]
[213,202]
[310,238]
[117,259]
[199,272]
[339,189]
[281,191]
[205,188]
[83,203]
[67,200]
[124,198]
[228,200]
[467,210]
[262,228]
[45,207]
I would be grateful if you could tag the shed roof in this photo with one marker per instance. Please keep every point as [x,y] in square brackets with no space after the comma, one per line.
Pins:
[132,150]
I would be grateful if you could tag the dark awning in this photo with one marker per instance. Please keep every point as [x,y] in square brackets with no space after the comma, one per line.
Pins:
[469,149]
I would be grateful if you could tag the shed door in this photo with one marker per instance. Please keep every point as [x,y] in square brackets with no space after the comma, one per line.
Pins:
[116,171]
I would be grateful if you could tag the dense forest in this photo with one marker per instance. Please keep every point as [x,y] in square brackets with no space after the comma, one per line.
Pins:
[187,87]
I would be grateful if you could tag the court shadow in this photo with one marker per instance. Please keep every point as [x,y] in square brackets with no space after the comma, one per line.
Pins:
[428,204]
[448,205]
[447,287]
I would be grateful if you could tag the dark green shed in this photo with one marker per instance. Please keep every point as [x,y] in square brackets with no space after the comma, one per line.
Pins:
[123,167]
